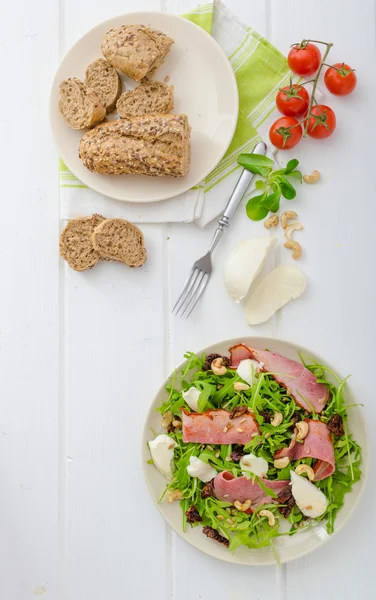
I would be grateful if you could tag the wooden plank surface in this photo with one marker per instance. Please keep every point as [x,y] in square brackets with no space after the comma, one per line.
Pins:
[81,355]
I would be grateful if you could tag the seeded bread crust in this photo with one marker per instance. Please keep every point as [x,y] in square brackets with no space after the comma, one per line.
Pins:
[104,79]
[120,240]
[136,50]
[79,105]
[154,146]
[148,98]
[75,243]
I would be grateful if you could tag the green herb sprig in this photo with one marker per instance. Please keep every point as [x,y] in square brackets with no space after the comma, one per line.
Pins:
[275,184]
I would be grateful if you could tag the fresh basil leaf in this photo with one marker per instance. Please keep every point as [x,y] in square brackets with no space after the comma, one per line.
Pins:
[296,175]
[256,163]
[291,165]
[260,185]
[254,210]
[287,189]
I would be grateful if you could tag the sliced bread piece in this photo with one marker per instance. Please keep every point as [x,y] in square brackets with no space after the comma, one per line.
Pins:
[104,79]
[117,239]
[148,98]
[155,146]
[79,105]
[75,243]
[136,50]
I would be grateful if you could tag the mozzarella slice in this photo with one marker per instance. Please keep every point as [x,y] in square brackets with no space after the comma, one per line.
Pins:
[248,369]
[310,500]
[279,287]
[191,397]
[200,469]
[162,453]
[254,464]
[244,263]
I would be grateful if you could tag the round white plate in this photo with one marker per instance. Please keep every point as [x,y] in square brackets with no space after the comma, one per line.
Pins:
[205,90]
[288,548]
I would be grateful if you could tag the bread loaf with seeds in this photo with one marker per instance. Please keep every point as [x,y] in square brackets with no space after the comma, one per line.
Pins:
[79,105]
[148,98]
[155,146]
[136,50]
[104,79]
[118,239]
[75,244]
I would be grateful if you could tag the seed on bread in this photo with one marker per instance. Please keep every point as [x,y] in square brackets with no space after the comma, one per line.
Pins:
[79,105]
[148,98]
[118,239]
[136,50]
[75,243]
[104,79]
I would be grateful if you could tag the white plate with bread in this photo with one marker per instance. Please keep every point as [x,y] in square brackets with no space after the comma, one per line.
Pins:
[144,106]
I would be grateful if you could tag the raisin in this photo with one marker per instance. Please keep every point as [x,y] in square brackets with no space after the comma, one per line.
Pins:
[236,455]
[215,535]
[193,516]
[335,425]
[267,415]
[208,490]
[286,497]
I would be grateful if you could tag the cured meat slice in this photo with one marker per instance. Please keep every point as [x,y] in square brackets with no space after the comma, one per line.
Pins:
[316,444]
[229,488]
[217,427]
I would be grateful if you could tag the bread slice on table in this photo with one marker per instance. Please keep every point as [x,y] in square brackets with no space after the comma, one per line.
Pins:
[151,145]
[75,243]
[148,98]
[118,239]
[79,105]
[136,50]
[104,79]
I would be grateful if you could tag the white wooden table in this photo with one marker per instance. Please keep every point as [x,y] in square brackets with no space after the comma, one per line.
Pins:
[81,355]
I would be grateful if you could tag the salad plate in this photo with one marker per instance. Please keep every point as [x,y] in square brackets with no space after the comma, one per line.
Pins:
[309,438]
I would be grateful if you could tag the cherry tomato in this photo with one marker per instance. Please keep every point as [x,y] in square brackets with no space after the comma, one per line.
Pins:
[340,79]
[285,133]
[304,59]
[322,122]
[292,100]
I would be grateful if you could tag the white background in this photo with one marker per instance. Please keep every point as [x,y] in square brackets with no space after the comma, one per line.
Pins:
[81,354]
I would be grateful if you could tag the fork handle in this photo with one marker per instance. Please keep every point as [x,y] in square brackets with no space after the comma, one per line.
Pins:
[235,199]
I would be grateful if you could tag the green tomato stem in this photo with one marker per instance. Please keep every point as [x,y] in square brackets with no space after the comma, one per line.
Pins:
[312,100]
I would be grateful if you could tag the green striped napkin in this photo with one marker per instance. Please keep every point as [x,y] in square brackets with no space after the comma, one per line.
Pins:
[260,70]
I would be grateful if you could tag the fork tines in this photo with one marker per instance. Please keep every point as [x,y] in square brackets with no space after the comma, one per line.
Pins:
[191,292]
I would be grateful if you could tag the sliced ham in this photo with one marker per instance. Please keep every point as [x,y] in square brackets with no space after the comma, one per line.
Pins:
[301,384]
[316,444]
[239,353]
[229,488]
[216,427]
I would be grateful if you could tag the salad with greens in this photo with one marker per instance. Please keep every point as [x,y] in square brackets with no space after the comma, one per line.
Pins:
[248,447]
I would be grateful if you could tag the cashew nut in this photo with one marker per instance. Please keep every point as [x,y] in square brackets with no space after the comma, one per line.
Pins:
[218,367]
[242,507]
[174,495]
[295,247]
[269,515]
[286,217]
[277,419]
[272,221]
[289,230]
[302,427]
[177,424]
[315,176]
[305,469]
[167,419]
[239,386]
[281,463]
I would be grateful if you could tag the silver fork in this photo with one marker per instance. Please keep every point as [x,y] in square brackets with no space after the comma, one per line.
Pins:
[200,273]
